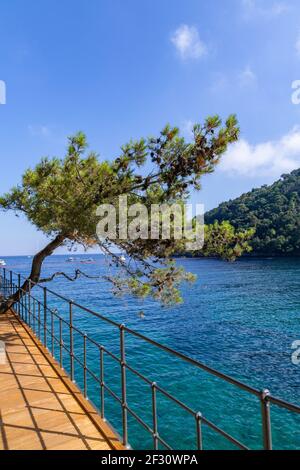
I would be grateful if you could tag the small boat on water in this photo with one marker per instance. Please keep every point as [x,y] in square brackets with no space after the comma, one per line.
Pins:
[122,259]
[2,262]
[87,261]
[70,260]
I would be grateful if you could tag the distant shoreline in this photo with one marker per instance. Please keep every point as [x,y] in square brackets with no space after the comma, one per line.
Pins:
[185,256]
[245,256]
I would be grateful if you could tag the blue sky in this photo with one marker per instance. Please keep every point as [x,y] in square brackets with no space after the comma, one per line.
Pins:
[122,69]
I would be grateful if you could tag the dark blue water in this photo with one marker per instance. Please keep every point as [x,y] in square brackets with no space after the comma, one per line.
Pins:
[240,318]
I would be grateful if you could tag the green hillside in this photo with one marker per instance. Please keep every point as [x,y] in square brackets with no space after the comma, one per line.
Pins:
[273,210]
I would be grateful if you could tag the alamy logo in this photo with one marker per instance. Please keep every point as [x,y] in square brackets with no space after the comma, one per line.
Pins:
[2,92]
[296,93]
[159,221]
[296,353]
[2,353]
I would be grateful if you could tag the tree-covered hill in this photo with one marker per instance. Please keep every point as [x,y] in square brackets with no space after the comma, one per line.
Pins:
[274,211]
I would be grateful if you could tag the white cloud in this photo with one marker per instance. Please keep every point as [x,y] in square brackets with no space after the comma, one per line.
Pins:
[188,43]
[271,158]
[39,131]
[263,8]
[247,77]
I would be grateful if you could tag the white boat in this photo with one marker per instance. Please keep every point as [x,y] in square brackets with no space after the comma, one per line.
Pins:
[2,262]
[70,260]
[122,259]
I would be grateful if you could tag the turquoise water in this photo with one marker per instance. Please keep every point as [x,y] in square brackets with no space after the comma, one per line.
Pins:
[239,318]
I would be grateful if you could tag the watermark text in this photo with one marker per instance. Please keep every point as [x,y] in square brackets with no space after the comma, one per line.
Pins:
[157,222]
[2,92]
[296,353]
[295,97]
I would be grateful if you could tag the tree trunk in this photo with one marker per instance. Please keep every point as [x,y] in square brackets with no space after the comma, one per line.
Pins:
[35,274]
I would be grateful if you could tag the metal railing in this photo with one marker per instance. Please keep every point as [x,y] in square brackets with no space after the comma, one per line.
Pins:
[48,324]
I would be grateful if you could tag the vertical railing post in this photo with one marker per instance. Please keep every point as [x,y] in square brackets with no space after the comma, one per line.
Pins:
[84,366]
[4,281]
[102,387]
[39,320]
[29,302]
[71,340]
[45,317]
[52,333]
[199,431]
[60,344]
[266,419]
[124,386]
[19,294]
[33,315]
[25,307]
[11,282]
[22,306]
[154,416]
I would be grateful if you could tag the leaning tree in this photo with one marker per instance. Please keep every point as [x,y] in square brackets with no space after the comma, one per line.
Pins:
[60,198]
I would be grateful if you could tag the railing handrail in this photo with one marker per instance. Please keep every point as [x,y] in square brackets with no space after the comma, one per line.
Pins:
[265,397]
[163,347]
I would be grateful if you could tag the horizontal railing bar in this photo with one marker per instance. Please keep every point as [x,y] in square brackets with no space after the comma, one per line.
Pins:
[95,343]
[164,443]
[140,420]
[147,427]
[87,369]
[224,434]
[74,328]
[195,363]
[113,356]
[75,304]
[78,360]
[284,404]
[59,317]
[59,296]
[63,345]
[93,375]
[48,330]
[95,314]
[50,310]
[113,394]
[182,405]
[161,390]
[57,340]
[141,376]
